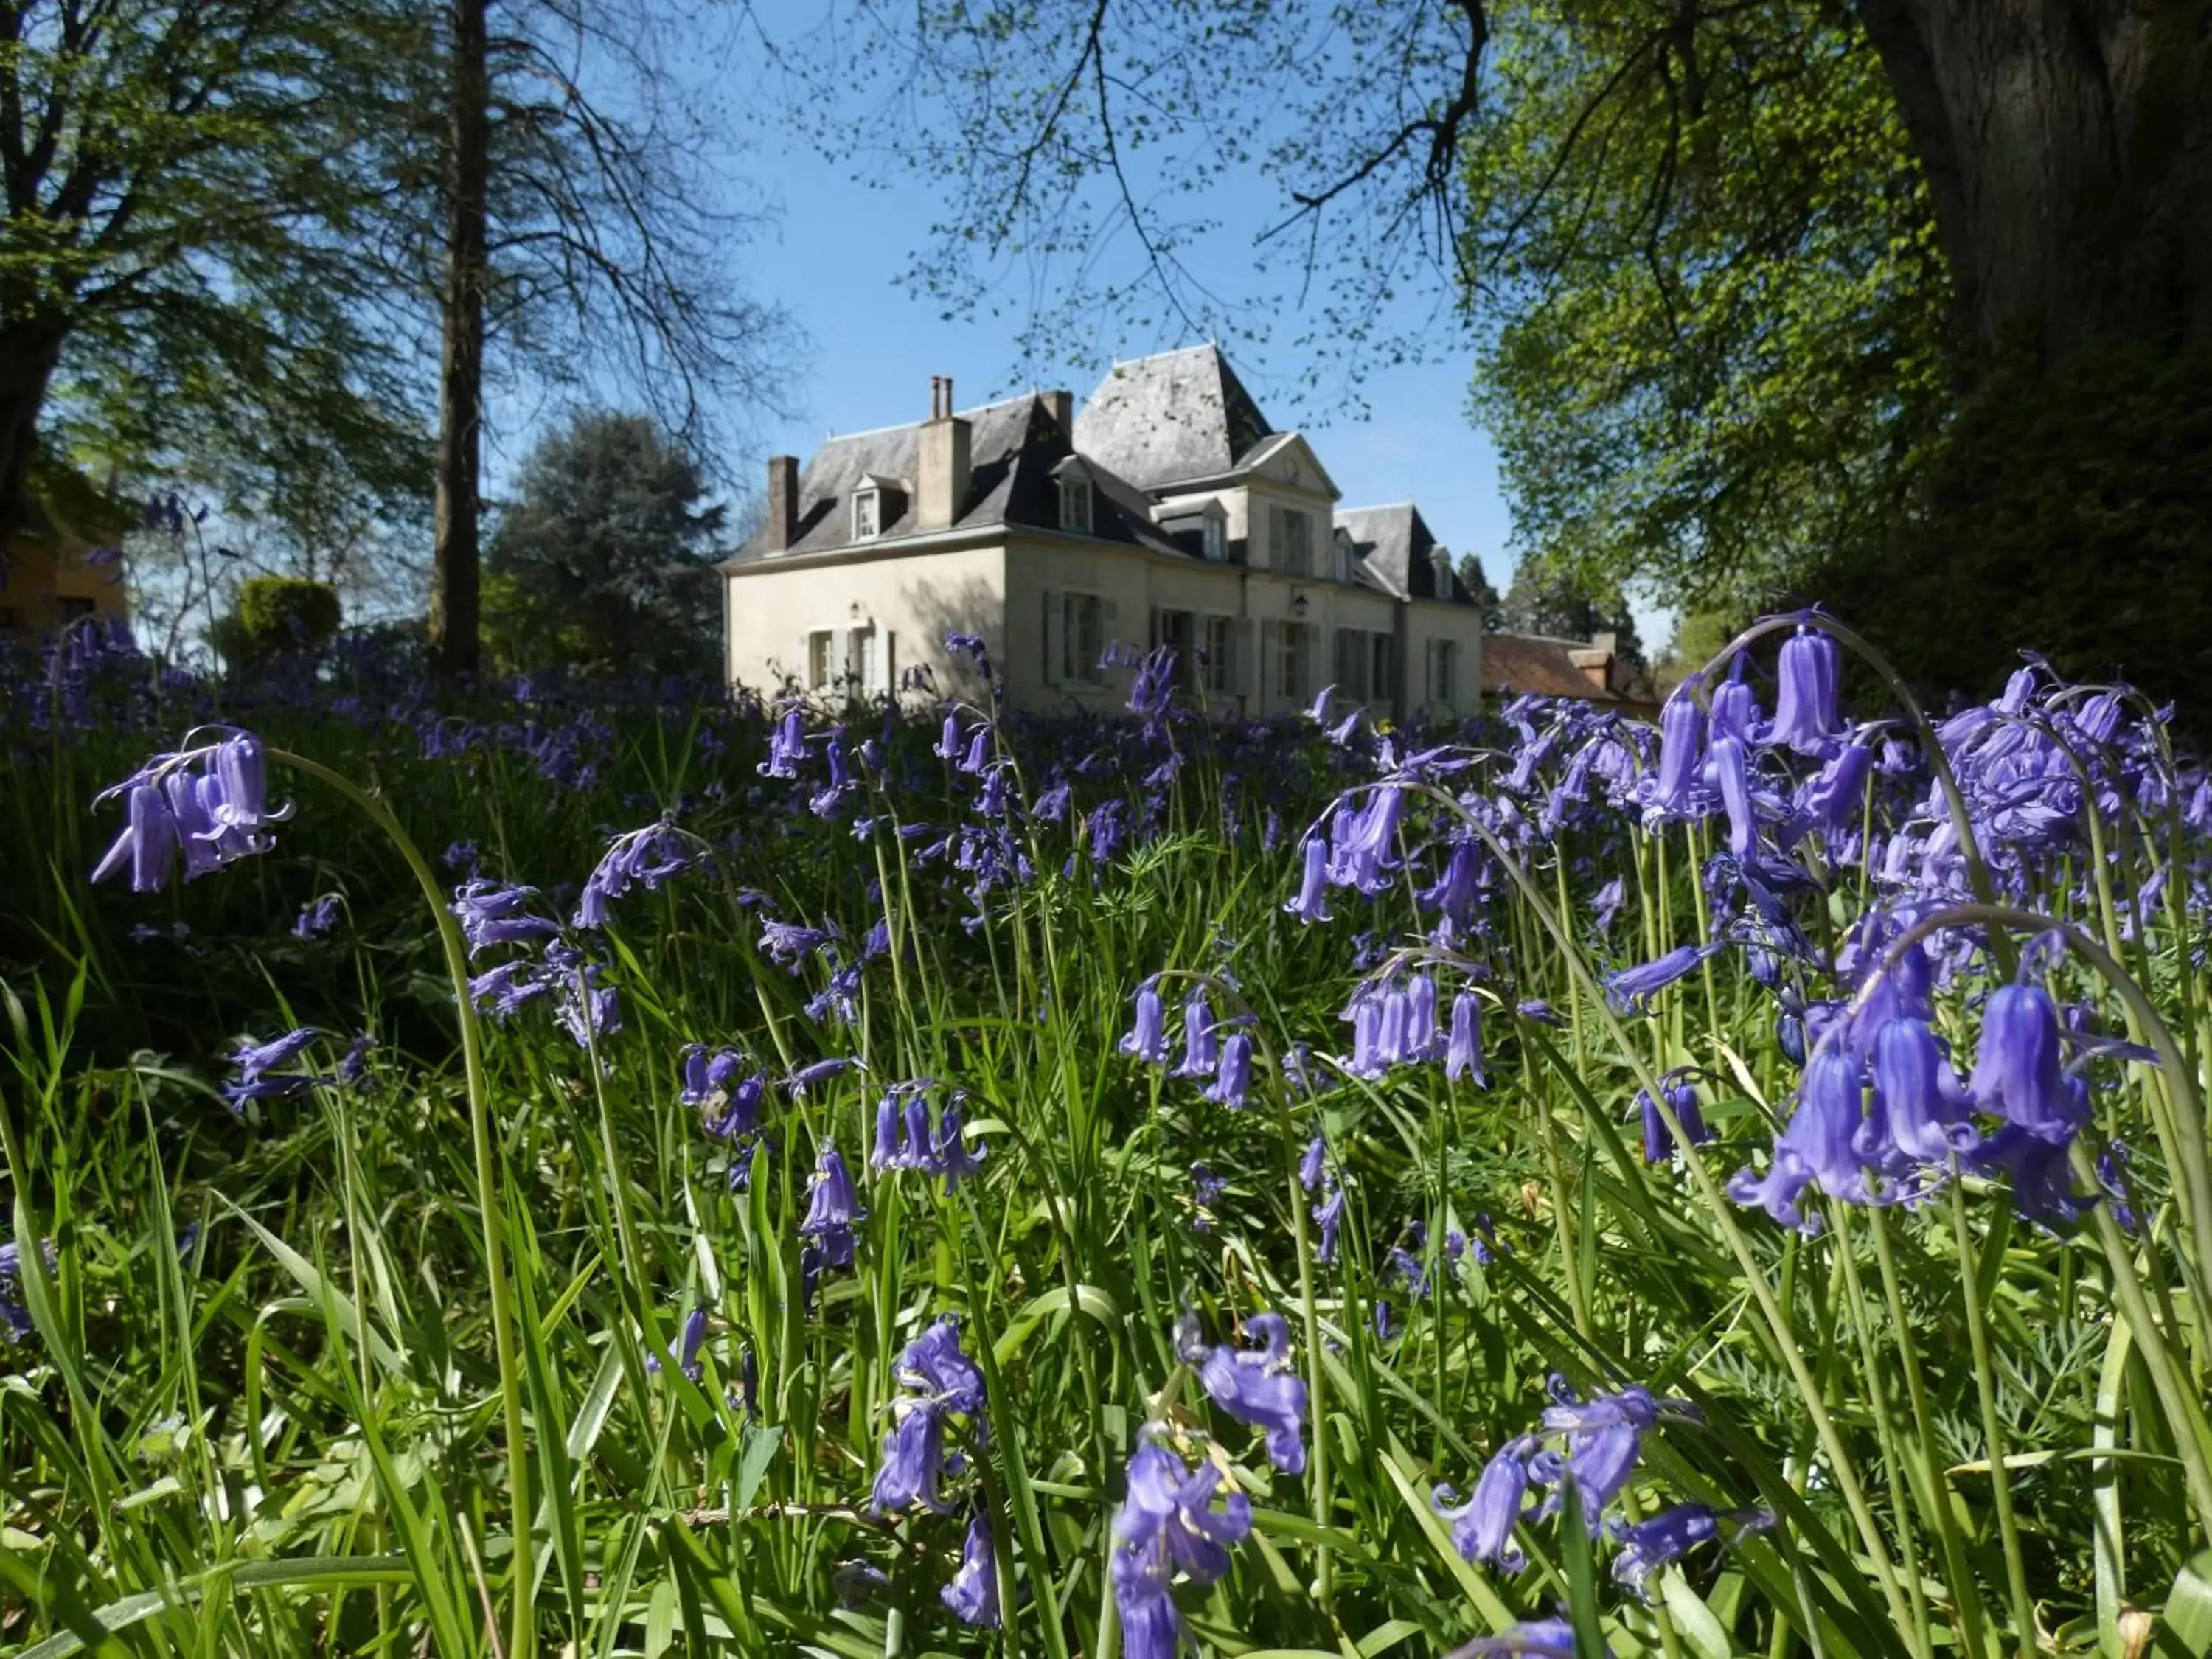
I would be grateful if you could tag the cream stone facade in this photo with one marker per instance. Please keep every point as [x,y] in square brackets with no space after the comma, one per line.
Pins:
[1166,515]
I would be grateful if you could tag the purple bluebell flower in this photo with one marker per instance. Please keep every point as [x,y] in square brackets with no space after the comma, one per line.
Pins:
[955,1161]
[1201,1042]
[462,855]
[1329,1216]
[258,1076]
[1649,1545]
[1482,1527]
[1606,904]
[1531,1638]
[1833,799]
[1536,1009]
[317,917]
[786,748]
[1729,764]
[1924,1110]
[1311,905]
[2017,1073]
[912,1461]
[973,1594]
[1232,1081]
[1671,790]
[149,843]
[2042,1180]
[1631,990]
[1169,1522]
[1365,845]
[1810,677]
[1682,1097]
[1463,1047]
[1604,1435]
[1820,1145]
[493,912]
[1310,1165]
[644,858]
[1147,1039]
[1735,706]
[693,1337]
[353,1065]
[1258,1387]
[1206,1190]
[820,1071]
[1458,891]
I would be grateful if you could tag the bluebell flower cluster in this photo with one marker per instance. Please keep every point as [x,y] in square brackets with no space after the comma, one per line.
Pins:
[1168,1524]
[906,1139]
[938,1382]
[198,808]
[1259,1388]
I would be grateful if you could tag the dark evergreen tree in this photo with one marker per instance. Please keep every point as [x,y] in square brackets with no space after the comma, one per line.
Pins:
[605,559]
[1546,599]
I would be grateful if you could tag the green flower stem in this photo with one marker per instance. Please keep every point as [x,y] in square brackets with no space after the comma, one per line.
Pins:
[1885,1426]
[1993,1438]
[1967,1601]
[489,1200]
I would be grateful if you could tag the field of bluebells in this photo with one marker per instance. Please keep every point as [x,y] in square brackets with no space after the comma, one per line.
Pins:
[592,1169]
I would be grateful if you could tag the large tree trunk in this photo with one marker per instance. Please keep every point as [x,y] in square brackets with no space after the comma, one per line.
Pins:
[454,577]
[2068,146]
[29,356]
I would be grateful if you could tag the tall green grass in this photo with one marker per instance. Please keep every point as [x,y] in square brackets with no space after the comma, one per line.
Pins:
[296,1432]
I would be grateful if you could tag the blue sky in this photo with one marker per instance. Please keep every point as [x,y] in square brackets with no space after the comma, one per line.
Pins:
[833,259]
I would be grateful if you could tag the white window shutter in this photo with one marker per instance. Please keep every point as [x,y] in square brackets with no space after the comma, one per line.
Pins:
[1056,634]
[889,657]
[841,657]
[805,661]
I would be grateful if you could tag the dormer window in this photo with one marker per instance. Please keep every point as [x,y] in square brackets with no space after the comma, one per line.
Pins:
[1074,480]
[1440,564]
[1216,534]
[1347,556]
[867,514]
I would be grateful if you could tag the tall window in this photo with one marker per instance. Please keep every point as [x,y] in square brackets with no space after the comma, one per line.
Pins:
[867,514]
[1346,559]
[1075,503]
[1081,640]
[1350,676]
[1381,667]
[1294,661]
[1214,673]
[1293,549]
[1444,672]
[1216,538]
[868,652]
[821,660]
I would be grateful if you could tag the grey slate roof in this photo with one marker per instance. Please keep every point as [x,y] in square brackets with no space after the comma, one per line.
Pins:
[1013,447]
[1395,541]
[1160,420]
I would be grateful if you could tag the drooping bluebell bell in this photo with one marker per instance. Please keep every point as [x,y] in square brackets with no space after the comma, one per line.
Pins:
[493,912]
[2017,1073]
[208,805]
[1735,706]
[317,917]
[1463,1047]
[1258,1387]
[1606,902]
[1201,1041]
[2037,1166]
[1603,1436]
[786,749]
[1311,905]
[1329,1216]
[1631,990]
[1820,1144]
[1809,679]
[1729,765]
[1924,1110]
[1531,1638]
[1833,799]
[913,1461]
[1648,1546]
[1310,1165]
[833,1210]
[1364,849]
[1168,1521]
[692,1339]
[1206,1190]
[1232,1080]
[1672,792]
[956,1160]
[1458,891]
[1147,1039]
[258,1076]
[973,1593]
[354,1071]
[644,858]
[1682,1097]
[1482,1527]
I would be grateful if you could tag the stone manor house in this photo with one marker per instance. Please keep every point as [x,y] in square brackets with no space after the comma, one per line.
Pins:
[1166,512]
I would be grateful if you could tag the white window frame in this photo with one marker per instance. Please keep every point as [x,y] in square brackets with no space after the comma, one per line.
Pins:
[821,657]
[1347,560]
[1075,502]
[1294,660]
[1213,540]
[1217,678]
[867,514]
[1079,664]
[1292,551]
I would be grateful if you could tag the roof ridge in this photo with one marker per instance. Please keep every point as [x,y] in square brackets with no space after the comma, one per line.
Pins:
[904,426]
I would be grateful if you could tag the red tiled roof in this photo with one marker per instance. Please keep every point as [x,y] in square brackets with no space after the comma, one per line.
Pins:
[1515,663]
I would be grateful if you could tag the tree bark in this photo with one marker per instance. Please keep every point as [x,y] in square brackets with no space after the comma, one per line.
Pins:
[455,574]
[2067,148]
[29,356]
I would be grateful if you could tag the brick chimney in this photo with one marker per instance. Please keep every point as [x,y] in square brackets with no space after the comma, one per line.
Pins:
[1060,405]
[942,461]
[782,527]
